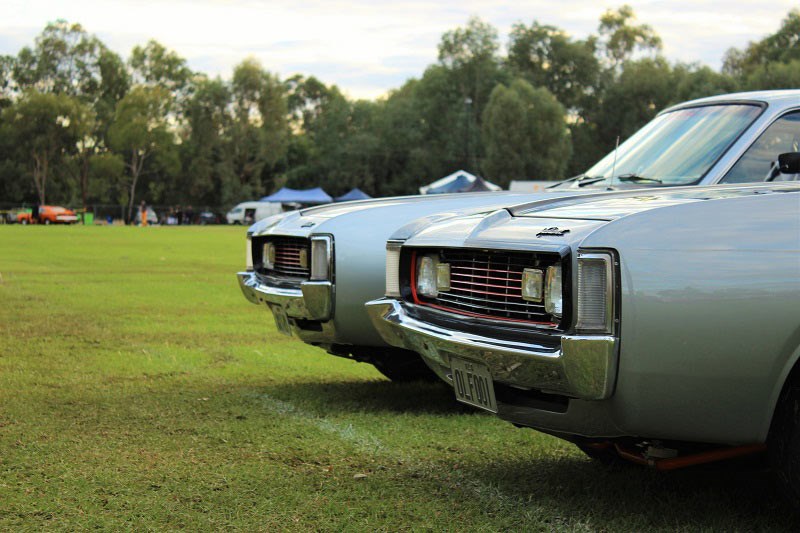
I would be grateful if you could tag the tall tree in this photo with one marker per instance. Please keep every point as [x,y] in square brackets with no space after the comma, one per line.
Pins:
[548,57]
[306,98]
[620,36]
[771,63]
[259,132]
[525,133]
[469,55]
[67,60]
[45,127]
[7,83]
[140,131]
[154,65]
[783,46]
[205,150]
[78,163]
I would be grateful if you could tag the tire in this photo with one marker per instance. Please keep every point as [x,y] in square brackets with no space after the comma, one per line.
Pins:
[47,222]
[783,442]
[402,367]
[24,222]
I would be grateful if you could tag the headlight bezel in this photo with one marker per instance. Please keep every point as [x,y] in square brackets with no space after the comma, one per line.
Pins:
[248,253]
[609,262]
[321,268]
[392,274]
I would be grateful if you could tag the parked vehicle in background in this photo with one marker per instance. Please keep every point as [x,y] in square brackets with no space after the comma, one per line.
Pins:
[660,326]
[47,214]
[10,216]
[713,139]
[207,217]
[248,213]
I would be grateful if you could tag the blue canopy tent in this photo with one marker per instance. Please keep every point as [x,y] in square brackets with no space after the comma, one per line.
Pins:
[355,194]
[460,181]
[296,196]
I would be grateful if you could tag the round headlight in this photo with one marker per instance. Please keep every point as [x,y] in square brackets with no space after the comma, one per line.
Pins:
[427,276]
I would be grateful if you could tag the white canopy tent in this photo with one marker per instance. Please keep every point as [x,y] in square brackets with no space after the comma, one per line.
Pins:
[458,181]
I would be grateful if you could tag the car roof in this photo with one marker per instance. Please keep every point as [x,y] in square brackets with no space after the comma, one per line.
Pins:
[786,97]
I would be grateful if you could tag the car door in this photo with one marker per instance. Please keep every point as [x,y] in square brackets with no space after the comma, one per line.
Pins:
[759,162]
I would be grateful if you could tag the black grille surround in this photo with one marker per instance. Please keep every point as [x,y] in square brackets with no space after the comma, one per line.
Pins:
[292,259]
[486,286]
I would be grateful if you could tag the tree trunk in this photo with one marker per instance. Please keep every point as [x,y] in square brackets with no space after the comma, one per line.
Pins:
[40,175]
[84,179]
[137,162]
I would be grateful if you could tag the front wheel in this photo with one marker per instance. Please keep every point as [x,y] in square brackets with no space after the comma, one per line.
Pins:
[400,367]
[783,444]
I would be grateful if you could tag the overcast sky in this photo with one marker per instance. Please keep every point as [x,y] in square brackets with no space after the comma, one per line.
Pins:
[365,47]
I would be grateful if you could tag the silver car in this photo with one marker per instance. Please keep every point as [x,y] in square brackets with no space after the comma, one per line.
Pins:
[693,143]
[315,268]
[662,326]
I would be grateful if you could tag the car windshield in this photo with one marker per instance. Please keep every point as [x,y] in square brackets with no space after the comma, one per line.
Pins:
[675,148]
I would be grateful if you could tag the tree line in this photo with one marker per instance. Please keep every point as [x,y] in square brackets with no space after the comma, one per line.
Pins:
[81,125]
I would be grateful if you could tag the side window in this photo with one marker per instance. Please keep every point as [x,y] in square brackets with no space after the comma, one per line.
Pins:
[759,162]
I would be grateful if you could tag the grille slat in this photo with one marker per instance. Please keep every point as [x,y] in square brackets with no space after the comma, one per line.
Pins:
[463,298]
[517,287]
[489,284]
[287,256]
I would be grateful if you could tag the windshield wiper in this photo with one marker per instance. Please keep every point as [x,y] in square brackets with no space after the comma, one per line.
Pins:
[588,180]
[637,179]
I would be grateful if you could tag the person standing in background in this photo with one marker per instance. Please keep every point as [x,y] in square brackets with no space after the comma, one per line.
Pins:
[143,214]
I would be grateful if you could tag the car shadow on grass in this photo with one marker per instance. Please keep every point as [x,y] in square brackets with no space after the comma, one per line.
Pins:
[739,495]
[372,396]
[725,496]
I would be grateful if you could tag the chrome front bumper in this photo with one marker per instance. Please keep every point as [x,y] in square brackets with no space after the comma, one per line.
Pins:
[313,302]
[583,367]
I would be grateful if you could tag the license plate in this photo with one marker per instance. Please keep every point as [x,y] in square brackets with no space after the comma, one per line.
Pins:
[472,383]
[281,320]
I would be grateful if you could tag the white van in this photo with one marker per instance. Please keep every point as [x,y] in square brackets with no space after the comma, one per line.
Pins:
[249,212]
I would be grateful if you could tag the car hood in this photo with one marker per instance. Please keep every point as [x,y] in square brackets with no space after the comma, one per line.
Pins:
[557,224]
[338,209]
[361,219]
[611,206]
[501,230]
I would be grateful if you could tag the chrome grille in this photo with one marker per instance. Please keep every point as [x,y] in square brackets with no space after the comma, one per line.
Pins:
[489,284]
[287,257]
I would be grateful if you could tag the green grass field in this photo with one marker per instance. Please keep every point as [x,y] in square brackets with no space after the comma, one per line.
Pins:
[139,390]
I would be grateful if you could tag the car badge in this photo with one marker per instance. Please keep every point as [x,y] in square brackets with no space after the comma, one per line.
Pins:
[555,232]
[308,225]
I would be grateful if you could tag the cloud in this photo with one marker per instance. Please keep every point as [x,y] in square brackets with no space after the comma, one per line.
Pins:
[366,47]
